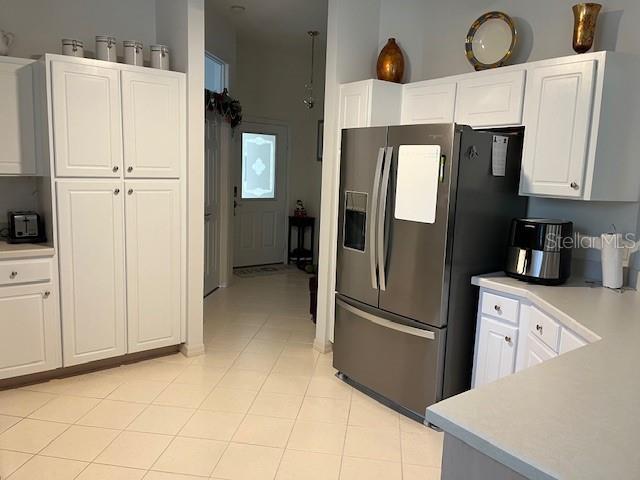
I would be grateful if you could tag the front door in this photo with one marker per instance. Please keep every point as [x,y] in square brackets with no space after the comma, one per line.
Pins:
[211,203]
[260,194]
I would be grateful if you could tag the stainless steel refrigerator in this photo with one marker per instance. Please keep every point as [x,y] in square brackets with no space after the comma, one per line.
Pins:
[422,209]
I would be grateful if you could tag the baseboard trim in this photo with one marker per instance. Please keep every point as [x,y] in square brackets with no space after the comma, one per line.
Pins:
[192,350]
[83,368]
[322,345]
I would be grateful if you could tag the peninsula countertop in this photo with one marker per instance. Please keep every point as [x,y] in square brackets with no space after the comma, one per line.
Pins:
[574,416]
[9,251]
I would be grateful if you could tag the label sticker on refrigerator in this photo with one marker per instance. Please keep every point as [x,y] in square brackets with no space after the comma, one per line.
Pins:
[499,155]
[417,183]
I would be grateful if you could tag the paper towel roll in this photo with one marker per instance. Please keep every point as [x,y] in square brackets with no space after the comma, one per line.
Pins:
[612,256]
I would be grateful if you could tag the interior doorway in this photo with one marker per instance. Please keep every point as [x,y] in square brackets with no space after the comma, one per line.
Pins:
[260,193]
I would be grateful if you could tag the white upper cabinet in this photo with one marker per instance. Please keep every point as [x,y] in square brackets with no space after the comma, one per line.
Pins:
[87,120]
[557,124]
[580,116]
[491,99]
[428,102]
[92,269]
[369,103]
[153,263]
[17,128]
[154,124]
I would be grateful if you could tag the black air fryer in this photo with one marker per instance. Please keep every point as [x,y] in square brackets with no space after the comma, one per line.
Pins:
[539,250]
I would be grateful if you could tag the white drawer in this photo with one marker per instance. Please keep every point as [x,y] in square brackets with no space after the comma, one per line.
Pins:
[500,307]
[25,271]
[544,328]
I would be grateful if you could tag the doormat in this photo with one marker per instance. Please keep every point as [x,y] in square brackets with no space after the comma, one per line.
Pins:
[263,270]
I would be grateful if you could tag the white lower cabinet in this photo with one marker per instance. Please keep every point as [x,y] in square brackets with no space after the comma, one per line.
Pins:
[153,263]
[536,352]
[92,261]
[29,330]
[120,266]
[515,336]
[496,354]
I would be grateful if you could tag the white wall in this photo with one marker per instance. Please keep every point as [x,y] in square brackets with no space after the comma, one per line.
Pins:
[352,38]
[220,40]
[270,85]
[39,25]
[181,24]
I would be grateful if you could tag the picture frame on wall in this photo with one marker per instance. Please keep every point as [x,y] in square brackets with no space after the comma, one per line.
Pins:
[320,140]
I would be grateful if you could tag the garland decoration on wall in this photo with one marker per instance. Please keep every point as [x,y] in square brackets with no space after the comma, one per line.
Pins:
[225,105]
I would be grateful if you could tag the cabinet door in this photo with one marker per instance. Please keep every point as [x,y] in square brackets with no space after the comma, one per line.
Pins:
[29,330]
[17,130]
[87,120]
[569,341]
[426,102]
[153,263]
[537,352]
[153,119]
[557,119]
[491,100]
[91,243]
[496,351]
[355,101]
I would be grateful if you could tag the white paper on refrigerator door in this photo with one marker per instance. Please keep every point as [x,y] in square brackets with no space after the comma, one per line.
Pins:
[417,183]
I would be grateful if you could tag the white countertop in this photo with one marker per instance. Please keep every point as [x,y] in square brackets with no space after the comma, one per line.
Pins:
[10,251]
[575,416]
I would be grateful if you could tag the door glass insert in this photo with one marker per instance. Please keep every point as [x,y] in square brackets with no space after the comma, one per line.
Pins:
[355,220]
[258,166]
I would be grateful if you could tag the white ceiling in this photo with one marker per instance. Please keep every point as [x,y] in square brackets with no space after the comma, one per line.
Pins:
[275,21]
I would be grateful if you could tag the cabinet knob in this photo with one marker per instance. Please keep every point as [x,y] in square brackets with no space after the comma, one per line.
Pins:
[115,169]
[497,308]
[116,191]
[46,294]
[575,186]
[13,274]
[130,191]
[129,169]
[539,328]
[507,339]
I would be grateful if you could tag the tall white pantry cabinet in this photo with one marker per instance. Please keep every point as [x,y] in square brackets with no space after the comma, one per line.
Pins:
[118,138]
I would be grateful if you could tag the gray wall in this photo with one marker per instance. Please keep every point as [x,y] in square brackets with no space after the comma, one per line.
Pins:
[432,33]
[39,25]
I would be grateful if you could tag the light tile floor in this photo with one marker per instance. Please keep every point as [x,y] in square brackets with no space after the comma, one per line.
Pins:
[260,404]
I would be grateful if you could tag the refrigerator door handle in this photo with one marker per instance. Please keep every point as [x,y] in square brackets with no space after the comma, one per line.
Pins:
[382,211]
[372,219]
[383,322]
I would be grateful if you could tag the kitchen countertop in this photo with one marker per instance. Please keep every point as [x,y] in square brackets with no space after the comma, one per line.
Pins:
[574,416]
[9,251]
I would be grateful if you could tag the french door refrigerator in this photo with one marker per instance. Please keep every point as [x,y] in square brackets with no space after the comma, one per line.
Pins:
[422,209]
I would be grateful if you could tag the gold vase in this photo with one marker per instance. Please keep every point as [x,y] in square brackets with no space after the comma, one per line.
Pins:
[390,66]
[585,16]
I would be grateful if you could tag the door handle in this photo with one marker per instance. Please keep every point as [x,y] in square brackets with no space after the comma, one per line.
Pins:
[383,322]
[207,215]
[382,212]
[372,218]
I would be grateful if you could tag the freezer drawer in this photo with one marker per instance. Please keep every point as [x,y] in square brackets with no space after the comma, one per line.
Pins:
[397,361]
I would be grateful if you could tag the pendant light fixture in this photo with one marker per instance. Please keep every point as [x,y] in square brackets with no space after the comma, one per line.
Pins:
[309,101]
